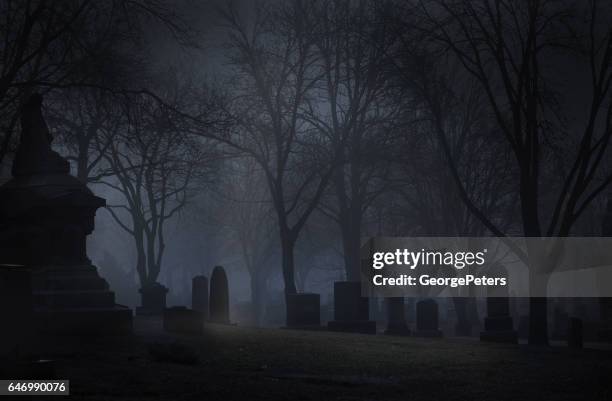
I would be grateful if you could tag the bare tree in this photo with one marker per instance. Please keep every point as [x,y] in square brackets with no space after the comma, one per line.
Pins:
[251,224]
[274,57]
[153,161]
[508,47]
[356,106]
[49,44]
[82,120]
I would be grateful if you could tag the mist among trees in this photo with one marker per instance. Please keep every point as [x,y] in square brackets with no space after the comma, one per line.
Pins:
[272,137]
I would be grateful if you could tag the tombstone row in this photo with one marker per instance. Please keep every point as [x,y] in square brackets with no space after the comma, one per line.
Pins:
[351,313]
[208,304]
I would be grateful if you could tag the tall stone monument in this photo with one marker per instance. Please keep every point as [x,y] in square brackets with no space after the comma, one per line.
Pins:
[45,217]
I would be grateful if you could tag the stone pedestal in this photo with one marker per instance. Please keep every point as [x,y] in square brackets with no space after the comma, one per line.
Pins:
[350,309]
[199,295]
[45,218]
[304,311]
[427,319]
[396,317]
[179,319]
[153,300]
[76,300]
[498,323]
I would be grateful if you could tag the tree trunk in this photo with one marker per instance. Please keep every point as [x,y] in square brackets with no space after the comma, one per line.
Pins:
[538,310]
[538,313]
[141,259]
[288,263]
[351,241]
[258,291]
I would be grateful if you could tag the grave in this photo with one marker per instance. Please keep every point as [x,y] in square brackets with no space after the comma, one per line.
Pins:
[180,319]
[219,296]
[350,309]
[153,300]
[304,311]
[396,317]
[199,295]
[45,217]
[427,319]
[498,322]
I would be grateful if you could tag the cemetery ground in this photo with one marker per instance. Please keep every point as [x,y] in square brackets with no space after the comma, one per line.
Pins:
[241,363]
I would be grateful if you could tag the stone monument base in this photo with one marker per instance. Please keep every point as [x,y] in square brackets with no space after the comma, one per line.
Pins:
[76,300]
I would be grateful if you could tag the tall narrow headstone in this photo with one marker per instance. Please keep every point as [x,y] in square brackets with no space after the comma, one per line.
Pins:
[427,319]
[396,317]
[219,296]
[199,295]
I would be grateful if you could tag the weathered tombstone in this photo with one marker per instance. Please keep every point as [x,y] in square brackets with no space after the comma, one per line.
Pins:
[182,320]
[199,295]
[574,333]
[219,296]
[153,300]
[498,323]
[396,317]
[45,217]
[304,311]
[427,319]
[351,309]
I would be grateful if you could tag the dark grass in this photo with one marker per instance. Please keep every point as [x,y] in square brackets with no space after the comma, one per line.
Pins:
[237,363]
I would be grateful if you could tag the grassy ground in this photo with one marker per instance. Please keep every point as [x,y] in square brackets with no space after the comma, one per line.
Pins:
[236,363]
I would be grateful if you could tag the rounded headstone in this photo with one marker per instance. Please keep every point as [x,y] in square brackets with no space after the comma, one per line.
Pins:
[219,296]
